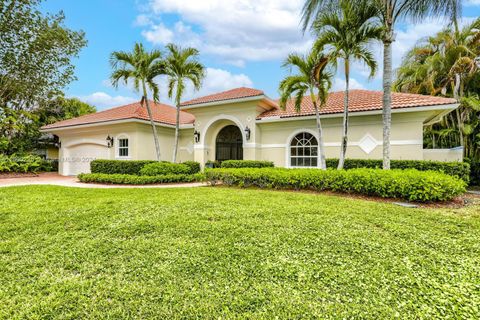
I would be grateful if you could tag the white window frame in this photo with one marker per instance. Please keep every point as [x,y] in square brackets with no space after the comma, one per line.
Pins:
[288,156]
[117,147]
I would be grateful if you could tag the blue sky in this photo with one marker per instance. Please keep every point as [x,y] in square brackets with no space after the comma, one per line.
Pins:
[242,43]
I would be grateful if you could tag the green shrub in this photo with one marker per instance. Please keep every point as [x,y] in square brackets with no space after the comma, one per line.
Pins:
[246,164]
[475,172]
[164,168]
[118,166]
[410,184]
[456,169]
[20,163]
[194,166]
[135,179]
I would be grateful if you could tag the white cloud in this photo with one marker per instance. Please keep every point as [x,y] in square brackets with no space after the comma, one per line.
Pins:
[472,2]
[236,31]
[339,84]
[103,100]
[142,20]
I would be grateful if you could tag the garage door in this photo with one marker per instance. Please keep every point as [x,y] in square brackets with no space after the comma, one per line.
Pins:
[78,158]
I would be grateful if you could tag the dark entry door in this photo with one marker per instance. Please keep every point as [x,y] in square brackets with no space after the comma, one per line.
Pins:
[229,144]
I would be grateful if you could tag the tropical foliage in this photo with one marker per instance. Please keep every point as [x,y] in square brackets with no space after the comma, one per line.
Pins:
[36,50]
[181,65]
[140,67]
[389,14]
[312,79]
[346,31]
[446,64]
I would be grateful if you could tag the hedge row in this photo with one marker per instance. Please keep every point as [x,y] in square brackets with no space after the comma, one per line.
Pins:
[135,179]
[164,168]
[409,184]
[22,163]
[455,169]
[134,167]
[475,173]
[246,164]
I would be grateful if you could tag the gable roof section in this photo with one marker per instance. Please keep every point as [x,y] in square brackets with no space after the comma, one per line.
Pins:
[359,100]
[162,113]
[237,93]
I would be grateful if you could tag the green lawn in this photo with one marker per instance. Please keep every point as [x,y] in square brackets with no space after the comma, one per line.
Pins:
[231,253]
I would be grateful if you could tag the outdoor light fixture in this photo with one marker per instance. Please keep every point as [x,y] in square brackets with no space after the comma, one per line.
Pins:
[196,134]
[109,141]
[247,133]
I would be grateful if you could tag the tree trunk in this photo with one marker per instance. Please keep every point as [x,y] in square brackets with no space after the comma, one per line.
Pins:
[456,95]
[321,144]
[154,128]
[387,97]
[343,146]
[177,129]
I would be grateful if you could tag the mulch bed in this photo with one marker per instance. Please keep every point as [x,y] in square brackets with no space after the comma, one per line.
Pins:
[12,175]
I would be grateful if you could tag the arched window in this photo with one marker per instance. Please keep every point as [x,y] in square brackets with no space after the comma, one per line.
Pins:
[304,150]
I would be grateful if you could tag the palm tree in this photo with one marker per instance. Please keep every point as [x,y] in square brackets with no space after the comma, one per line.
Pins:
[182,65]
[445,64]
[389,13]
[142,68]
[311,76]
[347,30]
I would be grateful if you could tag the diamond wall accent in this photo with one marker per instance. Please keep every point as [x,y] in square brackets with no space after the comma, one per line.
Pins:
[368,143]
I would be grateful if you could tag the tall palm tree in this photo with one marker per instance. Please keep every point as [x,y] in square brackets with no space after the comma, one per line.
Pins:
[142,68]
[390,12]
[346,31]
[312,79]
[181,65]
[445,64]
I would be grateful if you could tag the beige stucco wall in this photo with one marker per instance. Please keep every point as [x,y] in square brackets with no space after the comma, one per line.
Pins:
[210,120]
[406,136]
[80,145]
[269,139]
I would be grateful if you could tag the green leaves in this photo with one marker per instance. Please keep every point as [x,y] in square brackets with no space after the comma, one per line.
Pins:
[410,184]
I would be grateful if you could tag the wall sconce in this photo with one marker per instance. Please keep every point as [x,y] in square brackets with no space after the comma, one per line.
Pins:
[109,141]
[196,135]
[247,133]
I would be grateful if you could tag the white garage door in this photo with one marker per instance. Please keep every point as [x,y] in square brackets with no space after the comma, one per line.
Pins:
[79,157]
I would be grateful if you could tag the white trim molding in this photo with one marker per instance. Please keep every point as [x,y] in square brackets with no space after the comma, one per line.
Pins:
[221,117]
[220,102]
[117,146]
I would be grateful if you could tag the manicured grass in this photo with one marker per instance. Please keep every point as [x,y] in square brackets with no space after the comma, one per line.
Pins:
[232,253]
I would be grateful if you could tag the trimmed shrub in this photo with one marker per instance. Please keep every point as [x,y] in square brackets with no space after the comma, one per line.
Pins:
[20,163]
[118,166]
[164,168]
[410,184]
[475,173]
[246,164]
[456,169]
[212,164]
[137,180]
[194,166]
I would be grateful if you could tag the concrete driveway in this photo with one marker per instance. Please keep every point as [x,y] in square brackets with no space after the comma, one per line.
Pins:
[55,179]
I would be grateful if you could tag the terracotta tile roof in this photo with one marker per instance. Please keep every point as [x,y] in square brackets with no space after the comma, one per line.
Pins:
[359,100]
[236,93]
[162,113]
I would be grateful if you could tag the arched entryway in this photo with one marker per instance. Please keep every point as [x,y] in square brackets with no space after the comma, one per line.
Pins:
[229,144]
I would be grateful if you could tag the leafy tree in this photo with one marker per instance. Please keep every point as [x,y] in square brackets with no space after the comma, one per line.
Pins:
[181,65]
[35,54]
[445,64]
[36,50]
[346,31]
[142,68]
[389,13]
[311,78]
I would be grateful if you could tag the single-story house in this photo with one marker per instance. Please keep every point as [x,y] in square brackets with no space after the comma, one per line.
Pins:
[244,123]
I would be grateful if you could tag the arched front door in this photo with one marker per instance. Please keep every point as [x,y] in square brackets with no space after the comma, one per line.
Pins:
[229,144]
